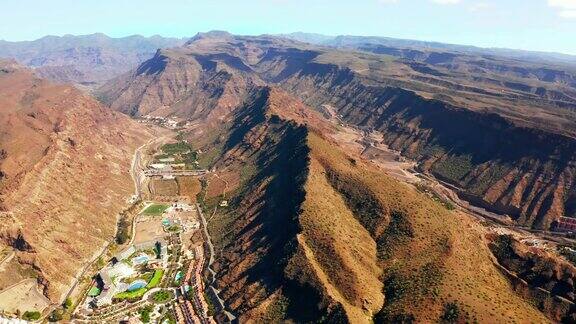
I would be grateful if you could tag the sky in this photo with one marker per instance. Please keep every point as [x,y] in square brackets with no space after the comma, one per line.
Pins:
[542,25]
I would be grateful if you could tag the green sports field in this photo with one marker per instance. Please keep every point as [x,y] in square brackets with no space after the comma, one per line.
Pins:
[155,209]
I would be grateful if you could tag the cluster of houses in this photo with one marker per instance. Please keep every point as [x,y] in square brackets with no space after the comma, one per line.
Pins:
[172,217]
[162,121]
[125,265]
[167,122]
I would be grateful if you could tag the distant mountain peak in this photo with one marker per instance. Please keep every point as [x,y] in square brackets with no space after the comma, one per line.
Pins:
[210,34]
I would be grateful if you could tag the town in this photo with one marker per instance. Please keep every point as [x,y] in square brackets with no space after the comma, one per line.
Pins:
[157,273]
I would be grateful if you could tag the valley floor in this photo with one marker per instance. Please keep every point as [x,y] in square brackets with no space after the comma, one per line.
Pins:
[176,227]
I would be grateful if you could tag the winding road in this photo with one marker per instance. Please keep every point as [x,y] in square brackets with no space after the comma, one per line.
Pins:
[136,172]
[230,316]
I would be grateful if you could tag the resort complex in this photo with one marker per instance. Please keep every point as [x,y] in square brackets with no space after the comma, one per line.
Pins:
[156,272]
[158,275]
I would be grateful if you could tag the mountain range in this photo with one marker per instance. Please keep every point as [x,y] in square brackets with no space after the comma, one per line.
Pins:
[485,130]
[366,179]
[88,60]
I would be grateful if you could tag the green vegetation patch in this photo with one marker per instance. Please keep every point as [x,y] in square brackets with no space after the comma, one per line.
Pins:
[31,315]
[123,231]
[168,318]
[174,228]
[451,314]
[162,296]
[182,152]
[155,279]
[176,148]
[145,313]
[454,168]
[155,209]
[132,295]
[366,207]
[402,289]
[399,231]
[276,311]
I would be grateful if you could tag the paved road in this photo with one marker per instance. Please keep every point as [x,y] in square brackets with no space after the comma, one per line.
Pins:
[151,173]
[211,260]
[135,172]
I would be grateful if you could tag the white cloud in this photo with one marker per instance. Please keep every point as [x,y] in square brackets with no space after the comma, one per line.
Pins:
[446,2]
[567,8]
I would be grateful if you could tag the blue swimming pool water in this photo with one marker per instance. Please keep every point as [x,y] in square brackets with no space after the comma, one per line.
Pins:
[140,259]
[135,285]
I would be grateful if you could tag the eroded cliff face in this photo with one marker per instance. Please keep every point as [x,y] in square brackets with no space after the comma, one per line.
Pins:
[538,276]
[508,150]
[525,172]
[65,167]
[312,234]
[189,86]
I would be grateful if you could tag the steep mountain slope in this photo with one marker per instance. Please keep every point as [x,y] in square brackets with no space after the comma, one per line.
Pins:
[88,59]
[63,177]
[315,235]
[519,159]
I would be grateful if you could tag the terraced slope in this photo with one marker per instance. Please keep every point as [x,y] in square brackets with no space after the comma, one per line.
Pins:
[313,234]
[63,177]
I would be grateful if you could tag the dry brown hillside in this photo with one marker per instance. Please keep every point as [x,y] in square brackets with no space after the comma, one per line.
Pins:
[314,234]
[505,141]
[64,175]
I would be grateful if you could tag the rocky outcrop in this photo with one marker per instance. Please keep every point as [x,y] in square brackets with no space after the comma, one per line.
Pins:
[546,280]
[525,172]
[188,86]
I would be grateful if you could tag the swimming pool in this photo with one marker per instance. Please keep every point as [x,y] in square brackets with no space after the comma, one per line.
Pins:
[178,276]
[140,259]
[137,284]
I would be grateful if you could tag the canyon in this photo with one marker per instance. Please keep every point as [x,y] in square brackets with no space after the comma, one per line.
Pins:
[506,149]
[316,157]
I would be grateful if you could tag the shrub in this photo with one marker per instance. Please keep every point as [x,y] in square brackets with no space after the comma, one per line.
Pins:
[451,313]
[56,316]
[31,315]
[122,233]
[145,313]
[67,303]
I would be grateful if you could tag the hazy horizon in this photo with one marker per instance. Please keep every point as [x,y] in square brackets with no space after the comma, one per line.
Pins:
[288,33]
[540,25]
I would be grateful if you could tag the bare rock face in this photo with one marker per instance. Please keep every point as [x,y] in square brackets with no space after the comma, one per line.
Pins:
[65,161]
[512,158]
